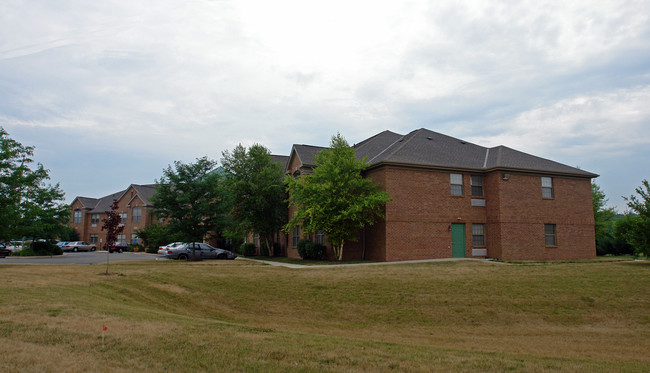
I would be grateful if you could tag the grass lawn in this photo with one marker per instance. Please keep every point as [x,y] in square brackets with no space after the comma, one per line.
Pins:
[215,316]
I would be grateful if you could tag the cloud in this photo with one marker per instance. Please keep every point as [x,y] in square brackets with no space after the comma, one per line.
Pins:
[172,80]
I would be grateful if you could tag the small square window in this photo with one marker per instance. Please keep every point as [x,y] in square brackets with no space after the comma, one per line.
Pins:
[94,218]
[547,187]
[456,181]
[550,234]
[77,216]
[477,185]
[478,234]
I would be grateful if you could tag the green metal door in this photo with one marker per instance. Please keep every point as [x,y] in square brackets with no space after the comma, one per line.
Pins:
[458,240]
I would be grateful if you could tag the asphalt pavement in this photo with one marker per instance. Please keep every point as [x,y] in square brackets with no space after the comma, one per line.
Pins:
[93,257]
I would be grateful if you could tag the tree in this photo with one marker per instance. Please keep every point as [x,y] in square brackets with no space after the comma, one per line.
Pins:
[192,198]
[602,216]
[29,206]
[156,235]
[255,183]
[635,226]
[112,227]
[336,198]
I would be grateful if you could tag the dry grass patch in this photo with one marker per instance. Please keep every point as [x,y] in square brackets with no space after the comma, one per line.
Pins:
[467,316]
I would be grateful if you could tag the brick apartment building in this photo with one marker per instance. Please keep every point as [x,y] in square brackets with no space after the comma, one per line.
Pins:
[133,206]
[452,198]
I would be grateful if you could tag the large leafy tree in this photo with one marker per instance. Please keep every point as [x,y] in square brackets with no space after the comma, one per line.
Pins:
[255,183]
[336,198]
[635,226]
[29,205]
[192,198]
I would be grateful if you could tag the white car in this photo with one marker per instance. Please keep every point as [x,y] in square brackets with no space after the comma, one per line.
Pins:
[162,250]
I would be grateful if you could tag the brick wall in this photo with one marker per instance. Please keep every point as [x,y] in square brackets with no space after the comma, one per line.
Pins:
[418,219]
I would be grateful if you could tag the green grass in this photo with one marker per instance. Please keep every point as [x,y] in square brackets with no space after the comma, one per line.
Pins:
[213,316]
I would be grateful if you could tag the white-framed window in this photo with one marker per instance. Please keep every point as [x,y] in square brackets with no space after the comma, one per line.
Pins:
[136,214]
[456,181]
[121,237]
[77,216]
[477,185]
[93,238]
[296,236]
[547,187]
[320,237]
[123,217]
[550,234]
[478,235]
[94,218]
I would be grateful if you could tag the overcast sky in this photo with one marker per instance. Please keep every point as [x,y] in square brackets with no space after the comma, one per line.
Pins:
[111,92]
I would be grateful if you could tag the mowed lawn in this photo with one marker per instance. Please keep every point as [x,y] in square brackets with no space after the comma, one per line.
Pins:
[239,317]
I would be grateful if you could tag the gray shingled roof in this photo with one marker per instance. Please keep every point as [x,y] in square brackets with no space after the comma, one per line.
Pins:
[103,204]
[307,154]
[431,149]
[283,160]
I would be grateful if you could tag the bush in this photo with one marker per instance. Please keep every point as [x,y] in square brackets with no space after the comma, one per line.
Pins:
[42,248]
[316,251]
[247,249]
[309,250]
[302,247]
[151,250]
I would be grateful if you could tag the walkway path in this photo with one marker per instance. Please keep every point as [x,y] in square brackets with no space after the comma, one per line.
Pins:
[298,266]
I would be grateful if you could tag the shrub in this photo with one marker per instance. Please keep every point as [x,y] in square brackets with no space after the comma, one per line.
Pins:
[151,250]
[42,248]
[27,251]
[247,249]
[311,250]
[316,251]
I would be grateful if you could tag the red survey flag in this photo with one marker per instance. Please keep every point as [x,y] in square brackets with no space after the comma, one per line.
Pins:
[104,328]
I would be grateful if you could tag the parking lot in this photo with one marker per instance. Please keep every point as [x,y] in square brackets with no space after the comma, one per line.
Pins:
[92,257]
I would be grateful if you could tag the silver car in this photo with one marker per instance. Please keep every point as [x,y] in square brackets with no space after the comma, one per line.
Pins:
[78,246]
[202,250]
[162,250]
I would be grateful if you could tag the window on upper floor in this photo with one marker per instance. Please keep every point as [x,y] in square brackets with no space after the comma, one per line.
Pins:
[547,187]
[123,217]
[77,216]
[456,181]
[477,185]
[136,214]
[550,235]
[478,234]
[94,218]
[296,236]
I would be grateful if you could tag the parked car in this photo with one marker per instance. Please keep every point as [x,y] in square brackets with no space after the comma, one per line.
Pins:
[61,243]
[13,246]
[118,247]
[162,250]
[203,251]
[78,246]
[4,251]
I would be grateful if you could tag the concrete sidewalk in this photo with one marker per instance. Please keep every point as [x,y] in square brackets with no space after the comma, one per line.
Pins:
[299,266]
